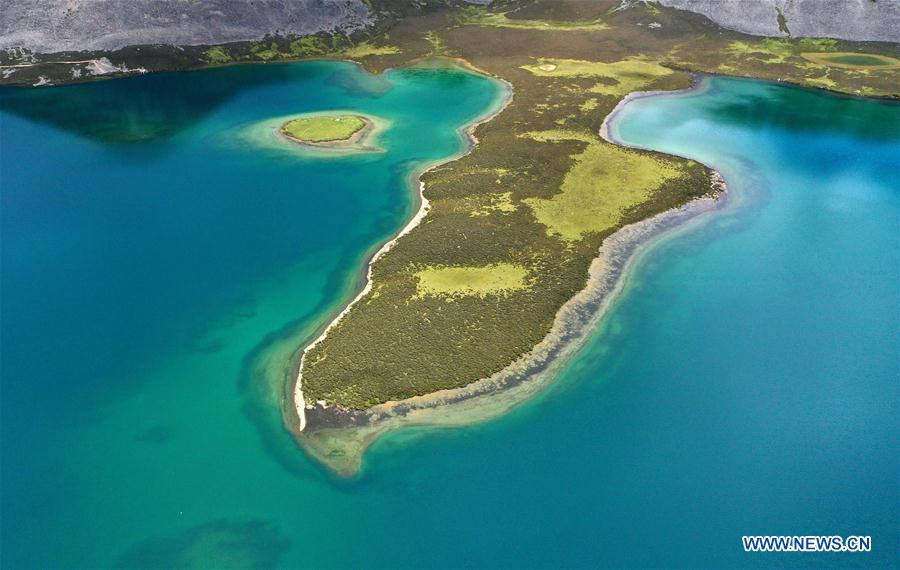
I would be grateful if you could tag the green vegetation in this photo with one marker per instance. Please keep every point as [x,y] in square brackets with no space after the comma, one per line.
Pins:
[604,183]
[817,44]
[782,47]
[588,105]
[366,49]
[479,16]
[851,60]
[619,78]
[816,62]
[308,45]
[824,82]
[510,234]
[499,278]
[652,9]
[323,128]
[438,47]
[767,51]
[779,50]
[302,47]
[495,203]
[217,55]
[265,52]
[556,135]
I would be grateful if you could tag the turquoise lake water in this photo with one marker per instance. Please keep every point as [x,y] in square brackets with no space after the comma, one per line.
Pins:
[153,255]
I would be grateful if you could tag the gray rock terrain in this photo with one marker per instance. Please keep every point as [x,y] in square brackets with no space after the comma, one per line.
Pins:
[48,26]
[859,20]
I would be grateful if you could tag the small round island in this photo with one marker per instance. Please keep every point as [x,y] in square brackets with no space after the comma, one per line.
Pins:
[331,131]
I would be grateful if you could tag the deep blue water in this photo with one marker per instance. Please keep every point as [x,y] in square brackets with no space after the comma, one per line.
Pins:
[746,382]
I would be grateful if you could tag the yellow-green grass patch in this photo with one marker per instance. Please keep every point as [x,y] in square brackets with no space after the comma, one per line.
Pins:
[589,105]
[817,44]
[365,49]
[480,281]
[501,203]
[438,46]
[605,181]
[323,128]
[476,16]
[621,77]
[778,50]
[823,81]
[308,45]
[556,135]
[217,54]
[769,50]
[853,60]
[264,52]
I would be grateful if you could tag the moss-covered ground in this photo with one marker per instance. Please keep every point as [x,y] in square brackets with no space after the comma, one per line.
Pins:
[816,62]
[617,78]
[481,16]
[303,47]
[853,60]
[323,128]
[603,183]
[480,281]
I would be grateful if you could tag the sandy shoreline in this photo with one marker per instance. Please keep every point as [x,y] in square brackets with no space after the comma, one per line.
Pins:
[299,401]
[353,143]
[468,133]
[267,134]
[341,447]
[340,437]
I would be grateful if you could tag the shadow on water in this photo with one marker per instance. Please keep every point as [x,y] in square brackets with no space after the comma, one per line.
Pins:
[800,109]
[156,435]
[217,544]
[264,371]
[260,384]
[266,368]
[160,105]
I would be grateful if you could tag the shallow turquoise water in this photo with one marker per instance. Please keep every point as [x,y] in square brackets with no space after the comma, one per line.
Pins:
[747,382]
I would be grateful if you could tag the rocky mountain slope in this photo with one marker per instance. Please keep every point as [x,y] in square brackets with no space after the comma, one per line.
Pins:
[47,26]
[857,20]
